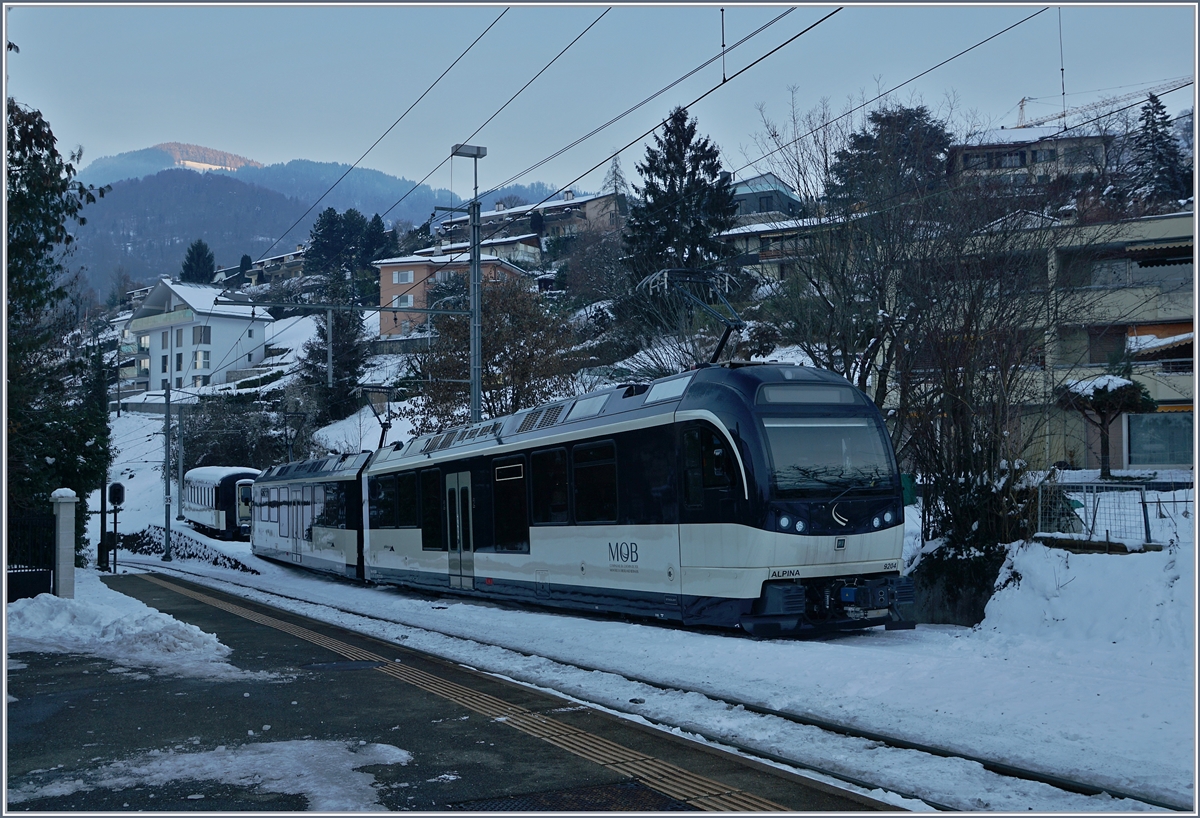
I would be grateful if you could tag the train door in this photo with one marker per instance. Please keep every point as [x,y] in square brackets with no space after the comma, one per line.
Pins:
[244,492]
[458,530]
[296,512]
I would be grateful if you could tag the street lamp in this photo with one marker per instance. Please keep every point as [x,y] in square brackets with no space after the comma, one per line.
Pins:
[475,152]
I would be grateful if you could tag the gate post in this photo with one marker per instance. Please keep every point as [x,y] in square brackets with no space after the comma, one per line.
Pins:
[64,542]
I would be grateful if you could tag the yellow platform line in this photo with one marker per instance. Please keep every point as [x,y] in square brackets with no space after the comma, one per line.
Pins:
[661,776]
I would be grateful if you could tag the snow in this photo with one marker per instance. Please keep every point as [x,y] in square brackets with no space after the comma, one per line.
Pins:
[1084,666]
[360,431]
[327,773]
[105,623]
[1140,344]
[1088,386]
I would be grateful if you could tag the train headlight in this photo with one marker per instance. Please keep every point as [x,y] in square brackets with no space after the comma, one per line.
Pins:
[799,526]
[785,522]
[888,516]
[875,522]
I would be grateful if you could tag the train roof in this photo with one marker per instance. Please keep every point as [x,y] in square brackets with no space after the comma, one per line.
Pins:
[596,410]
[215,474]
[334,467]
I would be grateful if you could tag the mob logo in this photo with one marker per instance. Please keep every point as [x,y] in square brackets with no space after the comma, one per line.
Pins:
[622,552]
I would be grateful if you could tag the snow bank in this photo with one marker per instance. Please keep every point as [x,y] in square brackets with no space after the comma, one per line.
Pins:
[324,772]
[1052,593]
[110,625]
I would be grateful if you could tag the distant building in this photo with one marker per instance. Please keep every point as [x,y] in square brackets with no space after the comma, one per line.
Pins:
[182,338]
[405,282]
[766,194]
[560,218]
[1026,156]
[265,270]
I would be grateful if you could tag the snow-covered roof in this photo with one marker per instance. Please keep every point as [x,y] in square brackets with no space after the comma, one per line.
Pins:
[201,298]
[215,474]
[443,258]
[1023,136]
[521,210]
[773,227]
[463,245]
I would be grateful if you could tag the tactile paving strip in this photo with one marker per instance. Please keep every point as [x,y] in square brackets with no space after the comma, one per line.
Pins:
[672,781]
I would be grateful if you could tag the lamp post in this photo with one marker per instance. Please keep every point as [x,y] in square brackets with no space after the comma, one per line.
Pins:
[475,152]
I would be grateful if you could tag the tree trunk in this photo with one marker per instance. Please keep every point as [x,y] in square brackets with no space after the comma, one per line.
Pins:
[1105,465]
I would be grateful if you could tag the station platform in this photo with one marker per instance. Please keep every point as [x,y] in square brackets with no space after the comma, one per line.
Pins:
[334,721]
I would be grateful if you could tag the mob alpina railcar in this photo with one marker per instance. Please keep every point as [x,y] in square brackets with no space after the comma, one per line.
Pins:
[760,497]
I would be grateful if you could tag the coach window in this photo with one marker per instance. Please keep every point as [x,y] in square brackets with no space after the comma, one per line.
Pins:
[595,482]
[406,497]
[274,504]
[549,478]
[384,502]
[431,511]
[333,507]
[510,505]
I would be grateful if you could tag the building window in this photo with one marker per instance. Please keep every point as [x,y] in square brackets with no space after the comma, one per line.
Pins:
[144,342]
[764,204]
[179,383]
[248,357]
[164,363]
[166,339]
[178,361]
[201,335]
[1160,439]
[975,161]
[402,300]
[201,380]
[402,276]
[1045,155]
[250,332]
[179,337]
[201,359]
[1106,343]
[164,384]
[764,243]
[1013,159]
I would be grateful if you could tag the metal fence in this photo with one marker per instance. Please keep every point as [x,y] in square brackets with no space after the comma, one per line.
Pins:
[29,555]
[1094,512]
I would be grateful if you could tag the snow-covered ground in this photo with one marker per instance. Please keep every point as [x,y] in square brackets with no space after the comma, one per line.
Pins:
[1084,666]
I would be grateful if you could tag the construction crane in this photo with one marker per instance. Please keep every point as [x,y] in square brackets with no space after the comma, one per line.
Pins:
[1107,102]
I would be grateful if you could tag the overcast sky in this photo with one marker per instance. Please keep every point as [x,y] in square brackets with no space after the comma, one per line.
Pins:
[275,83]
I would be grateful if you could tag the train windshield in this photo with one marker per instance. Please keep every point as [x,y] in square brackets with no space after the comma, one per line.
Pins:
[815,455]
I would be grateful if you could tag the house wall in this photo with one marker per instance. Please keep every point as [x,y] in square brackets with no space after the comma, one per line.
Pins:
[234,343]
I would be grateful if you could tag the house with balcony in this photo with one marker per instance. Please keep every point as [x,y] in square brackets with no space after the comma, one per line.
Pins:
[1029,155]
[523,250]
[182,337]
[560,218]
[406,281]
[1138,277]
[765,194]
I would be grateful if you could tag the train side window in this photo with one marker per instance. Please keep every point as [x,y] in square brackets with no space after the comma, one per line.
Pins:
[333,507]
[549,481]
[595,478]
[431,511]
[318,504]
[707,464]
[406,494]
[274,505]
[510,505]
[264,507]
[384,506]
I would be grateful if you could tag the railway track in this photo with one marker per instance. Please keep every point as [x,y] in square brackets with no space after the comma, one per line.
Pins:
[882,739]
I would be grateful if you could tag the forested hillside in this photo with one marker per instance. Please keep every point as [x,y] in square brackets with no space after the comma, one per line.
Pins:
[145,225]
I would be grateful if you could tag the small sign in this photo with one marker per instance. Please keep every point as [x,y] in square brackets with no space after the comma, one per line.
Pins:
[116,493]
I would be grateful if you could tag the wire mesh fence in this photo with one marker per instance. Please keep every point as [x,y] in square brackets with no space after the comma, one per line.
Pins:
[1111,513]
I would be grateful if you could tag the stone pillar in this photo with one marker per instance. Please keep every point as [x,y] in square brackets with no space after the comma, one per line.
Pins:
[64,542]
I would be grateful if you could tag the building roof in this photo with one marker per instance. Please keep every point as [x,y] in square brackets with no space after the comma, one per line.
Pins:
[465,245]
[201,298]
[522,210]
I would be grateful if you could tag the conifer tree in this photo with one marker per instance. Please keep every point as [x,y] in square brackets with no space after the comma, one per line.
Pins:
[685,202]
[199,264]
[1162,175]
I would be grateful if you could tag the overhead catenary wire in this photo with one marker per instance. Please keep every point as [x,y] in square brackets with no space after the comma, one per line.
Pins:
[384,134]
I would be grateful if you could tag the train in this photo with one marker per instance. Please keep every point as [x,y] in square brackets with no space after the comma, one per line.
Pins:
[762,497]
[216,500]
